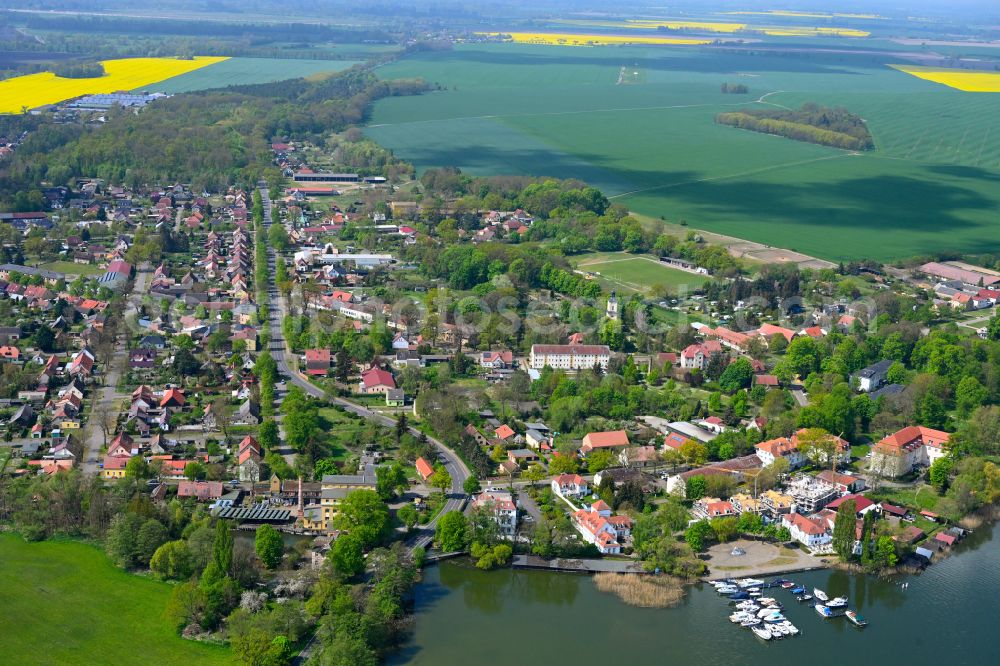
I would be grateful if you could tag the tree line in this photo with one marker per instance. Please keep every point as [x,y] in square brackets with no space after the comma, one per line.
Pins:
[835,127]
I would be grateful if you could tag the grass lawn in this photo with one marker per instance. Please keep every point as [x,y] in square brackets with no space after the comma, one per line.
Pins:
[72,268]
[637,273]
[64,602]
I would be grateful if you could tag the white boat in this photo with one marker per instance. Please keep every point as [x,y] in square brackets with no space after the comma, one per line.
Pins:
[738,618]
[856,618]
[792,629]
[750,623]
[780,628]
[820,594]
[749,582]
[838,602]
[823,610]
[767,601]
[726,590]
[762,632]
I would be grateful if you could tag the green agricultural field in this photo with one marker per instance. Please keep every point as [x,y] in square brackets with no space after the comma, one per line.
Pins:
[636,273]
[245,71]
[931,185]
[65,603]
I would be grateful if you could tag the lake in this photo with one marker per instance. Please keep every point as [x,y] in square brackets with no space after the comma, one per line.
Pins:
[467,616]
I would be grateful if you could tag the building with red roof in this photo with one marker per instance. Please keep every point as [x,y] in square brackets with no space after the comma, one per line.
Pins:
[569,485]
[424,469]
[861,504]
[913,446]
[504,432]
[604,440]
[318,362]
[811,533]
[376,380]
[200,490]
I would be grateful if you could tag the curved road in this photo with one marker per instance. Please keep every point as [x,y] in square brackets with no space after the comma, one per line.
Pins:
[455,466]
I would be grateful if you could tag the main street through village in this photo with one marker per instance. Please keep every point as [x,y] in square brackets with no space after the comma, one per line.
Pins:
[288,367]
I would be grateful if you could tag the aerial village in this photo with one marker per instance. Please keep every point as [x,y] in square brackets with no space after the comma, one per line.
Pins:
[128,360]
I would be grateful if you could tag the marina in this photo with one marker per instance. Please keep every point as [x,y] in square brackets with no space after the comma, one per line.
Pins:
[763,615]
[911,619]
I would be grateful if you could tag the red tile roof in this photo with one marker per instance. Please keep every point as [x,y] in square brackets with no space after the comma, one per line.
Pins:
[424,468]
[598,440]
[378,377]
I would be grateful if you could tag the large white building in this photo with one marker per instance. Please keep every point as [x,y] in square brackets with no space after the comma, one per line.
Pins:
[570,357]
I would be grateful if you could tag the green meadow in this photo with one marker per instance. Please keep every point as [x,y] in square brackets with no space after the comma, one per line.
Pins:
[931,185]
[247,71]
[64,602]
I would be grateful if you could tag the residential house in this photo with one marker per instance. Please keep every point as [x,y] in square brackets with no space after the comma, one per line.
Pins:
[395,398]
[376,380]
[606,533]
[247,414]
[570,485]
[604,440]
[424,469]
[811,533]
[697,356]
[844,483]
[873,376]
[318,362]
[248,459]
[501,505]
[496,359]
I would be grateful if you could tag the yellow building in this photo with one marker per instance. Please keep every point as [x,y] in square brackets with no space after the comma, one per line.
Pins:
[334,488]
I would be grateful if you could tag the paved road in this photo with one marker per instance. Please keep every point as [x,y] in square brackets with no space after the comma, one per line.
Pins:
[288,366]
[108,394]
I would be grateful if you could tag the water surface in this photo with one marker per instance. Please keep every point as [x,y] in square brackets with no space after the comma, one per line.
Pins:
[947,615]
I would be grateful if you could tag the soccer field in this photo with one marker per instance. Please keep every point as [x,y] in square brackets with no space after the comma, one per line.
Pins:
[637,273]
[931,185]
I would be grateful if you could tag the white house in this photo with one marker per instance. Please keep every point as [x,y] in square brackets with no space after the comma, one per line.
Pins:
[808,532]
[569,357]
[501,503]
[873,376]
[569,485]
[597,530]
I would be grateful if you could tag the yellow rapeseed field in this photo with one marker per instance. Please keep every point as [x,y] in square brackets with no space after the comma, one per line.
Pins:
[36,90]
[794,14]
[567,39]
[723,27]
[959,79]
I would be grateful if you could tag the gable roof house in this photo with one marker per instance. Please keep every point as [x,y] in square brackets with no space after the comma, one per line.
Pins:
[248,459]
[376,380]
[603,440]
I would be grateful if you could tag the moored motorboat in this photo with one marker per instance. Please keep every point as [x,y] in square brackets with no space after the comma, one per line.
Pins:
[750,623]
[762,632]
[739,596]
[804,597]
[823,610]
[856,618]
[787,584]
[837,602]
[820,594]
[798,590]
[792,629]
